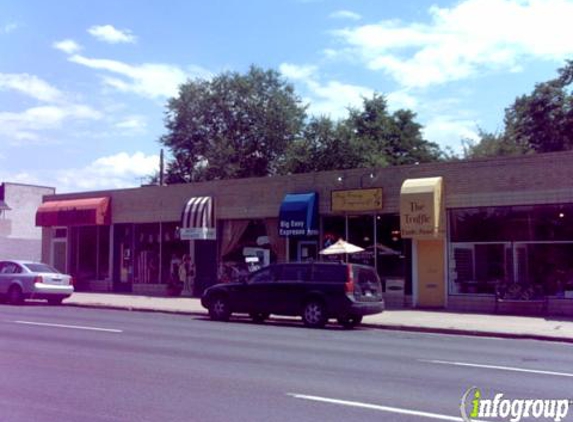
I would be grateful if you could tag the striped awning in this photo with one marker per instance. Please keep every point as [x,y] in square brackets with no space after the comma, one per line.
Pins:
[198,219]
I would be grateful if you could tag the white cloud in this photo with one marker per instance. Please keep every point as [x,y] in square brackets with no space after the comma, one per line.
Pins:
[450,131]
[345,14]
[333,98]
[150,80]
[117,171]
[9,27]
[296,72]
[460,42]
[67,46]
[402,100]
[30,85]
[26,127]
[109,34]
[23,177]
[132,123]
[122,170]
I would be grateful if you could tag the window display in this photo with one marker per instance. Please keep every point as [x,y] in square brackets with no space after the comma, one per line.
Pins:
[495,247]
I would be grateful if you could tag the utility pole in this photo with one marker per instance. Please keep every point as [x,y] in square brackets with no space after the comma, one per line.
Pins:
[161,167]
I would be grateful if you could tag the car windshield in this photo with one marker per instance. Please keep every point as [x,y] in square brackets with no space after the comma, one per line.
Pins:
[40,268]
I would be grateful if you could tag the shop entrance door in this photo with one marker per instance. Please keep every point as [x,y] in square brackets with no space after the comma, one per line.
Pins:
[307,250]
[59,255]
[431,282]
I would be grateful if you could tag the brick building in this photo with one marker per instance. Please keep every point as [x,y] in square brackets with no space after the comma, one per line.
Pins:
[19,236]
[449,233]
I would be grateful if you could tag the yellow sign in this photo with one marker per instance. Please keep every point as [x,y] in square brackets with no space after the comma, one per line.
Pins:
[421,208]
[357,200]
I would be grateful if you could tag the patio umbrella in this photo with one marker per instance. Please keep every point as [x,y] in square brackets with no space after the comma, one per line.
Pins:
[341,247]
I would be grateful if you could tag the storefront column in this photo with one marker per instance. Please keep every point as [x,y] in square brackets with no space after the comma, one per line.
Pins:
[112,263]
[422,219]
[429,270]
[375,237]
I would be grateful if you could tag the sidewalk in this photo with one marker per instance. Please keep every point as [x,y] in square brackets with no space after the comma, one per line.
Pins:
[539,328]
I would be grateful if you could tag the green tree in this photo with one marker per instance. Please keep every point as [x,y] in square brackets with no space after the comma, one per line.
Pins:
[543,120]
[383,139]
[492,145]
[325,145]
[369,137]
[231,126]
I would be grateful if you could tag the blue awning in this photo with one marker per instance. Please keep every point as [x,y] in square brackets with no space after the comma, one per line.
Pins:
[298,215]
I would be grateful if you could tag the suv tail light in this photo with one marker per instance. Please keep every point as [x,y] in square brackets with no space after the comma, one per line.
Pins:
[38,279]
[349,285]
[72,281]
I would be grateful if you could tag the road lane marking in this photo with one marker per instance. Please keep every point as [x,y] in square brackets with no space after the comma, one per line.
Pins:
[77,327]
[388,409]
[501,368]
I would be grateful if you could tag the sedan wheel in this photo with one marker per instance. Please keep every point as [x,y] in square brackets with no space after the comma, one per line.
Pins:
[314,314]
[15,296]
[219,309]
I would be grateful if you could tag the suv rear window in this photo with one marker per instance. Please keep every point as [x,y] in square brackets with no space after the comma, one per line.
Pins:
[364,275]
[329,273]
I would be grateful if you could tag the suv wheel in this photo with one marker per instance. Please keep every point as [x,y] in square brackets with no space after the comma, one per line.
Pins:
[314,314]
[350,321]
[15,296]
[219,309]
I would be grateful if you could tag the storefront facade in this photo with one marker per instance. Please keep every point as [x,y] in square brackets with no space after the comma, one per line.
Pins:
[441,235]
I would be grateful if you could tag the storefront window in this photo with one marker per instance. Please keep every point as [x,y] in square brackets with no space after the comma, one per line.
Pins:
[172,251]
[361,233]
[333,229]
[393,254]
[103,252]
[90,258]
[146,263]
[246,247]
[529,246]
[479,267]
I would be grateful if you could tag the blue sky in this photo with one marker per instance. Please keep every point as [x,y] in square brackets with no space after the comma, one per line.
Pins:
[83,85]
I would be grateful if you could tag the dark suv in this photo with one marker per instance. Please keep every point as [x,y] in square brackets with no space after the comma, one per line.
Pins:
[316,291]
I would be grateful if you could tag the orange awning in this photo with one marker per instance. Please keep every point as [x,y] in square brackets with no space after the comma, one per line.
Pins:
[74,212]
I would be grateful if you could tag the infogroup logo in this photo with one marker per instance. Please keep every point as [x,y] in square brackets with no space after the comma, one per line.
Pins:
[474,405]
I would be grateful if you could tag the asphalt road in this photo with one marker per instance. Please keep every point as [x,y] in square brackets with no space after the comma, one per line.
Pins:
[68,364]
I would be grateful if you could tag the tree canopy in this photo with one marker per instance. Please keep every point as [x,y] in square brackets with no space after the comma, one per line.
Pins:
[541,121]
[235,126]
[231,126]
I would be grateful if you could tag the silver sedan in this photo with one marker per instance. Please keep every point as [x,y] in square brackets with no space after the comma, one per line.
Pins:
[21,280]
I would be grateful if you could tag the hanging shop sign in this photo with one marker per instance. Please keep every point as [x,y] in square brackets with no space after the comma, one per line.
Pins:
[357,200]
[421,208]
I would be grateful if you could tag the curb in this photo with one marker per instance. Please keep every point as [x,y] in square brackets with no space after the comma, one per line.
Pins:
[471,333]
[406,328]
[132,309]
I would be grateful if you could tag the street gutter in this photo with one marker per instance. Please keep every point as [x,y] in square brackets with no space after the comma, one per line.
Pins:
[389,327]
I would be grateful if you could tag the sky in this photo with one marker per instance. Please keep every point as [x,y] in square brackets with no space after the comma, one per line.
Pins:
[84,85]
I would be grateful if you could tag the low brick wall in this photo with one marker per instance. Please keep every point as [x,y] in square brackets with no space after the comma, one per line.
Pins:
[485,304]
[97,285]
[149,289]
[397,302]
[561,307]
